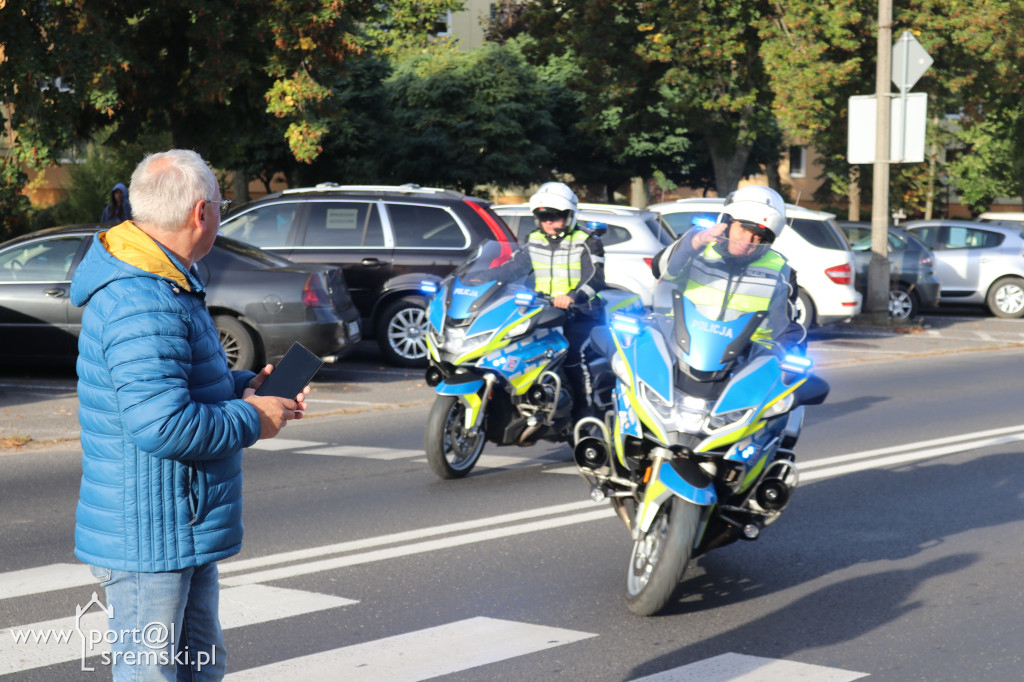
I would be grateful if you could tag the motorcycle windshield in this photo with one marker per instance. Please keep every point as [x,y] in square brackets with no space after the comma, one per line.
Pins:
[708,345]
[489,289]
[495,261]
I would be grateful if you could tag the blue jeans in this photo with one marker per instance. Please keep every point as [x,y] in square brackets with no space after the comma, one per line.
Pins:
[164,626]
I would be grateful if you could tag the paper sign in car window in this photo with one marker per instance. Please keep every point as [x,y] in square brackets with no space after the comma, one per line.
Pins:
[342,219]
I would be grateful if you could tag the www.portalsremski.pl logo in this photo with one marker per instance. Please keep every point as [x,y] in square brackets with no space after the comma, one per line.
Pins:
[151,645]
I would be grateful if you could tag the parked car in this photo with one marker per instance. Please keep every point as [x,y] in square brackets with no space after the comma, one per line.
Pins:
[1004,218]
[913,285]
[977,263]
[814,247]
[631,237]
[260,302]
[387,239]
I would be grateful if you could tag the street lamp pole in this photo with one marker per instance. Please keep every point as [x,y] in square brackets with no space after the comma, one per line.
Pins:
[877,304]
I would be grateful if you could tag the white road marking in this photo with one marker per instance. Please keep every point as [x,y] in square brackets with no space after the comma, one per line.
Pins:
[63,576]
[740,668]
[420,655]
[396,538]
[275,444]
[44,579]
[362,452]
[239,606]
[415,548]
[829,467]
[317,401]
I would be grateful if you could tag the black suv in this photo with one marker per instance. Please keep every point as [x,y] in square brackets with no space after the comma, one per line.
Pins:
[386,239]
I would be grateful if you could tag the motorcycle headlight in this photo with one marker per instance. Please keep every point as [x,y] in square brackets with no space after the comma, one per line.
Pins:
[521,328]
[619,368]
[689,413]
[780,406]
[720,421]
[661,407]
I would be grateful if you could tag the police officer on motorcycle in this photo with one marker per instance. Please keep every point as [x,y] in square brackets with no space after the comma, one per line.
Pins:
[732,269]
[568,265]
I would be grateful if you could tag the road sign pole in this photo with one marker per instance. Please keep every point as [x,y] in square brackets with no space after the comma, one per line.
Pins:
[877,303]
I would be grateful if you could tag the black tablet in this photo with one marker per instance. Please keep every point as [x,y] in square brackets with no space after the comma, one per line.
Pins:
[292,374]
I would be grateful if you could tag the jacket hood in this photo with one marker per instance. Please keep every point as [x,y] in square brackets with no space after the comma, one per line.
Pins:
[123,252]
[119,186]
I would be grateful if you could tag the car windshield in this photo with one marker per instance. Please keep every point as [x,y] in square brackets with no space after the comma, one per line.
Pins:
[495,261]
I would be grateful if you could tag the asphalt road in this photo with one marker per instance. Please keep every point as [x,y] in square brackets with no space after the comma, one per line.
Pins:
[895,560]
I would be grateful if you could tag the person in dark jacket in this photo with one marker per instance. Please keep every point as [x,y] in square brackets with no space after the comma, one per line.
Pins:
[568,266]
[163,424]
[119,208]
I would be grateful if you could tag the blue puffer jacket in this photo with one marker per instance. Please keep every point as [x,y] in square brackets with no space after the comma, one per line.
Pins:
[162,424]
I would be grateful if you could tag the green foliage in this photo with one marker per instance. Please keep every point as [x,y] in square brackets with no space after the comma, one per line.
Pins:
[992,165]
[465,118]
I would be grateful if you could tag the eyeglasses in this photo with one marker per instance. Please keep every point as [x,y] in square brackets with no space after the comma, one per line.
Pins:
[225,204]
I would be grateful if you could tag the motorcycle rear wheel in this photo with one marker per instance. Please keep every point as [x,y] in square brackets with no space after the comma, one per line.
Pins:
[451,452]
[659,558]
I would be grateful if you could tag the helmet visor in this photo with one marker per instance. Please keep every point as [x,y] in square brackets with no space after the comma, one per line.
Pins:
[550,214]
[766,235]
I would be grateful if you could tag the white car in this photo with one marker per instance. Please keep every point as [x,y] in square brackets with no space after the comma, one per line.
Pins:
[814,246]
[631,239]
[977,263]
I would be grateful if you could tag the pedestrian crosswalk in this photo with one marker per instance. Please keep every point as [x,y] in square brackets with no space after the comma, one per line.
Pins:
[27,651]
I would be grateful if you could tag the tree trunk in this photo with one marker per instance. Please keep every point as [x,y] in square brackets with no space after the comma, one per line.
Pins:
[240,186]
[728,163]
[728,167]
[774,177]
[637,192]
[853,194]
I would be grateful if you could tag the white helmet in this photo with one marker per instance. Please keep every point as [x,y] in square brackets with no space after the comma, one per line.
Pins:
[555,196]
[759,205]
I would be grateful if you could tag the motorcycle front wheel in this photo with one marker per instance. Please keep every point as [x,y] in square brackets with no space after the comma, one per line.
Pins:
[451,451]
[659,558]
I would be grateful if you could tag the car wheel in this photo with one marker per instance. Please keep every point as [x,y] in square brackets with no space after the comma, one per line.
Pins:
[903,303]
[237,342]
[1006,297]
[402,333]
[805,310]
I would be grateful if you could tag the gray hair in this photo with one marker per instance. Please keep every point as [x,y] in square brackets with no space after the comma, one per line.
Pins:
[166,186]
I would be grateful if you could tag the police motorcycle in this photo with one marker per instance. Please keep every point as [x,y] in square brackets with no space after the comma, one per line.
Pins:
[496,350]
[697,450]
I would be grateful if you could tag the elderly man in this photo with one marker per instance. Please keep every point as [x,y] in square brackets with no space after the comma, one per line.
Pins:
[164,422]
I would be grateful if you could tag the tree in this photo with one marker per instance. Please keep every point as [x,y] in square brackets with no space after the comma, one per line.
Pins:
[272,72]
[618,126]
[466,118]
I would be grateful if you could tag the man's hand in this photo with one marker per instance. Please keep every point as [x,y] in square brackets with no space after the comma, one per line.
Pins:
[274,412]
[562,301]
[712,234]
